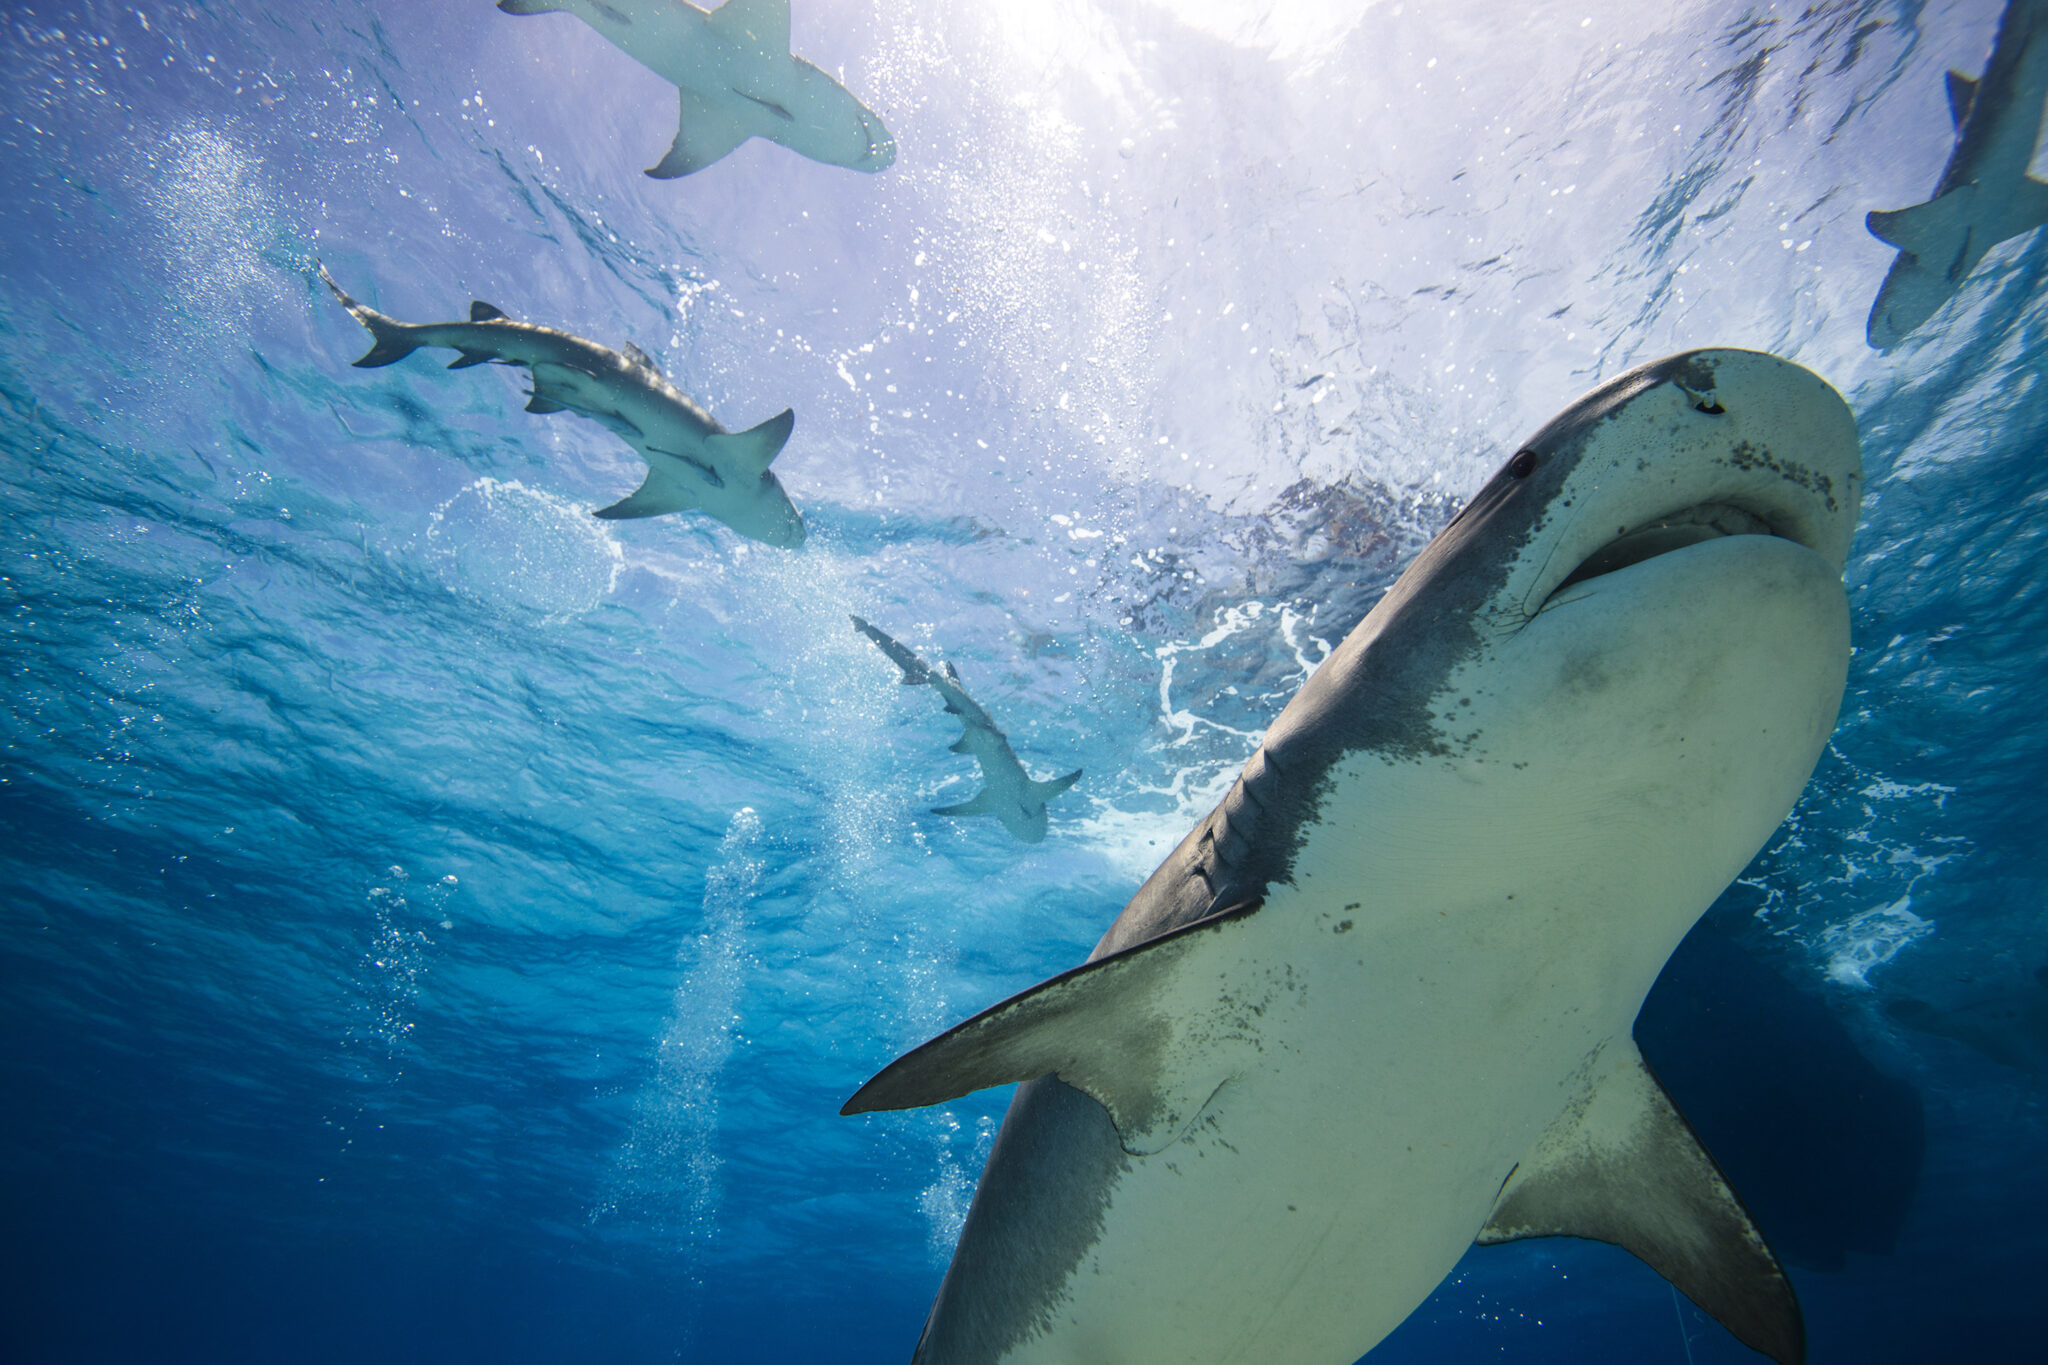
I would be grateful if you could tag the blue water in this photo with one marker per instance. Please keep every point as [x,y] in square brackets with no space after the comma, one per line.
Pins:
[437,925]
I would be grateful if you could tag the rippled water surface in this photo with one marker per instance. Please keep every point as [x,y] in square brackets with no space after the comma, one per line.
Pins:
[436,924]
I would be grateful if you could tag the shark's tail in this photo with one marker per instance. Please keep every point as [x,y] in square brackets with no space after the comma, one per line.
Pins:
[1046,791]
[393,338]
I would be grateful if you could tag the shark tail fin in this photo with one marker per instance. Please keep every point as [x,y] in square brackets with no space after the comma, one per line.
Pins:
[1141,1030]
[983,802]
[705,131]
[759,25]
[755,448]
[392,338]
[1923,228]
[1962,93]
[1622,1166]
[914,670]
[1046,791]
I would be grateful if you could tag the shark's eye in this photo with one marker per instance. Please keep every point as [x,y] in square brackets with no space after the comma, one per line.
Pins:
[1523,465]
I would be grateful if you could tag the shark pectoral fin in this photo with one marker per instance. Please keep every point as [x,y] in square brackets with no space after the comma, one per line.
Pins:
[1922,228]
[1046,791]
[754,449]
[760,25]
[1622,1166]
[2028,209]
[654,497]
[1962,92]
[1152,1033]
[705,131]
[984,802]
[469,358]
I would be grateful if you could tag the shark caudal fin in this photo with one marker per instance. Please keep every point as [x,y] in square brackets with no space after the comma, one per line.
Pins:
[1622,1166]
[392,337]
[754,449]
[1144,1031]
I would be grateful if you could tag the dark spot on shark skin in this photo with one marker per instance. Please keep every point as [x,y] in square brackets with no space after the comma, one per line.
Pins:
[1749,457]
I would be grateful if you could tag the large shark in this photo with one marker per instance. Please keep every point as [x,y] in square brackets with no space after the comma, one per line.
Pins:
[735,78]
[1377,1005]
[1985,194]
[692,461]
[1008,792]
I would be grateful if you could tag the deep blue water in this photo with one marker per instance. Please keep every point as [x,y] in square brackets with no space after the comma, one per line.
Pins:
[437,925]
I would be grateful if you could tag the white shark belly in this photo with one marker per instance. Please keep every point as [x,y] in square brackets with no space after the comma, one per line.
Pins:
[1449,937]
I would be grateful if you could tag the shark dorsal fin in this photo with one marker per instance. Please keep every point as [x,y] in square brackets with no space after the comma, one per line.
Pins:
[1622,1166]
[635,356]
[761,25]
[1143,1031]
[1962,93]
[479,311]
[754,449]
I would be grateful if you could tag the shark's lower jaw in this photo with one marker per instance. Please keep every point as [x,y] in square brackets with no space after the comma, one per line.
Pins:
[1665,535]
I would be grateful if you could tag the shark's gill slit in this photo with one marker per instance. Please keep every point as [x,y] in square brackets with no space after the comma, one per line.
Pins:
[1663,535]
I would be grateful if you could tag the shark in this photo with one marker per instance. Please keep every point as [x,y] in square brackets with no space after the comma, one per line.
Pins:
[734,79]
[1377,1006]
[1985,194]
[1008,792]
[693,463]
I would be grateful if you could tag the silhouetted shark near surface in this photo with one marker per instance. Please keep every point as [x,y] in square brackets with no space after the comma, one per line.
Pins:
[735,79]
[1377,1005]
[1985,194]
[1008,792]
[693,463]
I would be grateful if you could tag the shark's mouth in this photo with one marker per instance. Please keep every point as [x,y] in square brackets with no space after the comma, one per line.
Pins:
[1666,535]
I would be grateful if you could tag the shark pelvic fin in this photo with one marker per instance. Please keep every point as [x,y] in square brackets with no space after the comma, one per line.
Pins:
[469,358]
[754,449]
[761,25]
[1923,228]
[479,311]
[545,405]
[1147,1032]
[1962,92]
[704,132]
[1622,1166]
[657,495]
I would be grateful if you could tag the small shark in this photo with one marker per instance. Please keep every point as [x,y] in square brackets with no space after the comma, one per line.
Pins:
[692,462]
[1378,1004]
[1985,194]
[736,79]
[1009,794]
